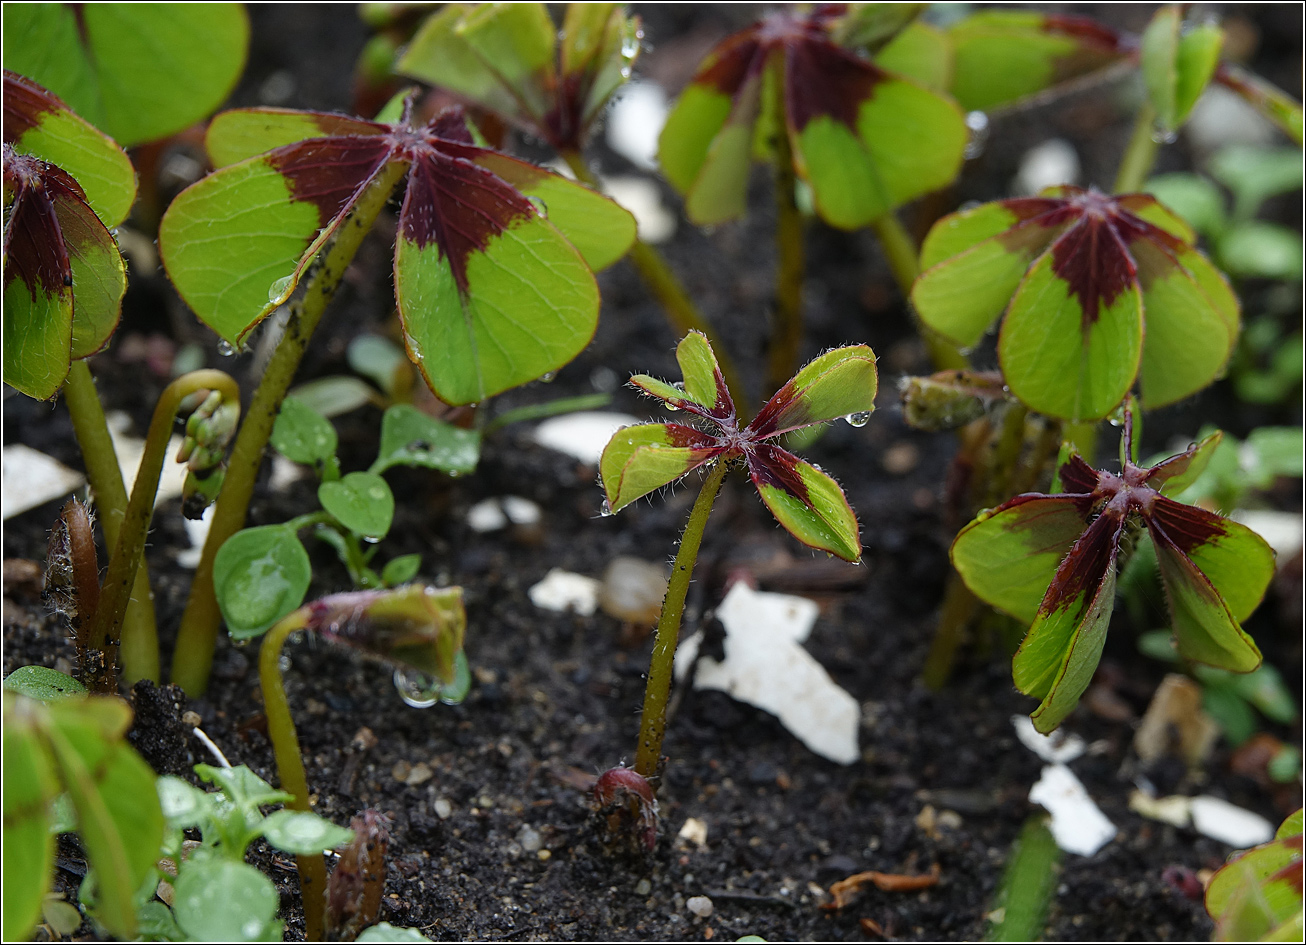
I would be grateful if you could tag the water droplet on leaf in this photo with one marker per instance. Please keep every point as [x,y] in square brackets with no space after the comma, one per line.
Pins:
[605,509]
[548,376]
[278,291]
[858,419]
[226,348]
[539,205]
[417,689]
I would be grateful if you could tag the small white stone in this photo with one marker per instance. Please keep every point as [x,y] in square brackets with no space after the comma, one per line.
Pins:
[1222,117]
[443,809]
[635,121]
[197,531]
[643,199]
[31,478]
[694,831]
[1175,809]
[285,473]
[765,667]
[633,589]
[1078,825]
[1046,165]
[529,838]
[700,906]
[564,590]
[1229,823]
[486,516]
[521,511]
[582,435]
[643,887]
[1057,747]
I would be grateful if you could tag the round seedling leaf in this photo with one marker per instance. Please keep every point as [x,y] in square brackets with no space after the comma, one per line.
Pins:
[222,900]
[400,570]
[412,438]
[303,832]
[303,435]
[43,684]
[260,575]
[385,932]
[361,501]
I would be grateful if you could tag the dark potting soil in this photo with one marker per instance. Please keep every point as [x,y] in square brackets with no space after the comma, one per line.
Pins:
[499,842]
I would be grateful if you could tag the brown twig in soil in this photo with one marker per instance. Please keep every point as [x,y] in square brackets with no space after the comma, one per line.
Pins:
[846,891]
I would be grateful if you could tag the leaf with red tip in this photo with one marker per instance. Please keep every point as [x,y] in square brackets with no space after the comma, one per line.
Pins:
[703,390]
[1172,476]
[236,243]
[839,384]
[1257,895]
[640,459]
[1270,101]
[973,262]
[807,502]
[243,133]
[1195,549]
[1072,339]
[490,293]
[1001,56]
[1007,555]
[1060,653]
[866,141]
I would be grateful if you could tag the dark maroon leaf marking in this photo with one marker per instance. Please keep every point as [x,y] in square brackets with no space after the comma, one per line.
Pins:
[24,104]
[1292,873]
[691,438]
[823,79]
[1082,27]
[334,126]
[1187,526]
[1099,45]
[1093,261]
[330,172]
[1077,476]
[458,206]
[1051,505]
[1175,465]
[732,63]
[451,125]
[34,245]
[769,465]
[1083,570]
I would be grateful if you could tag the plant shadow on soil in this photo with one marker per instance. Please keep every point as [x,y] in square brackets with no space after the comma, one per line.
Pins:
[498,841]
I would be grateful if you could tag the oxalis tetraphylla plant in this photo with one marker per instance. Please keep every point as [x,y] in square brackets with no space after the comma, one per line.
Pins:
[808,503]
[1051,561]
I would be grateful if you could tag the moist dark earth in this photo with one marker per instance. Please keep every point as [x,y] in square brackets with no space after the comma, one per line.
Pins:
[499,842]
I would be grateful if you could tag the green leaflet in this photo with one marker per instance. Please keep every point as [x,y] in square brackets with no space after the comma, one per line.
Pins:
[361,501]
[1239,564]
[1176,67]
[30,785]
[37,339]
[1007,556]
[260,575]
[1205,630]
[140,72]
[412,438]
[1178,473]
[824,521]
[691,127]
[242,133]
[698,366]
[517,39]
[640,459]
[838,384]
[441,55]
[533,306]
[921,52]
[303,435]
[1055,363]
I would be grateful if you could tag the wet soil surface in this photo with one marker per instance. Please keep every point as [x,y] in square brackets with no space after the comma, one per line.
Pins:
[493,836]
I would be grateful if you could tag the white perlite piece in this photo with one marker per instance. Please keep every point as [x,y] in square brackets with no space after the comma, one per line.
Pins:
[1228,823]
[1058,747]
[766,667]
[31,478]
[635,121]
[197,530]
[564,590]
[1078,825]
[582,435]
[492,514]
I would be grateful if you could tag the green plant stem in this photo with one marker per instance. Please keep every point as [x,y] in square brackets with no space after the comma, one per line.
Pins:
[1140,153]
[662,281]
[1002,464]
[1026,477]
[959,607]
[140,639]
[653,722]
[126,556]
[550,409]
[791,263]
[193,658]
[290,765]
[1084,436]
[903,257]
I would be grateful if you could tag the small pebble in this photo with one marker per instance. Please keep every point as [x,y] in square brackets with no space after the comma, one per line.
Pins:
[529,838]
[400,771]
[544,855]
[701,906]
[900,459]
[421,772]
[643,887]
[443,809]
[191,718]
[364,739]
[633,589]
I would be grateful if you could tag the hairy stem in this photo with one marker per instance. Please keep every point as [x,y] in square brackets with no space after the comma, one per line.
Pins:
[126,556]
[140,638]
[290,765]
[1140,153]
[653,722]
[193,658]
[657,274]
[787,326]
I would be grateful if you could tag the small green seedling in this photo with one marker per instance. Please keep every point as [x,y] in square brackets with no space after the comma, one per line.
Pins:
[417,629]
[1051,560]
[68,767]
[807,502]
[510,59]
[1095,292]
[1257,895]
[216,895]
[261,574]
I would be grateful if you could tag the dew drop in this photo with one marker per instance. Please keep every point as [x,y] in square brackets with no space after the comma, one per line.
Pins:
[978,125]
[278,291]
[1164,136]
[858,419]
[605,510]
[539,205]
[417,689]
[226,348]
[547,377]
[670,407]
[370,539]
